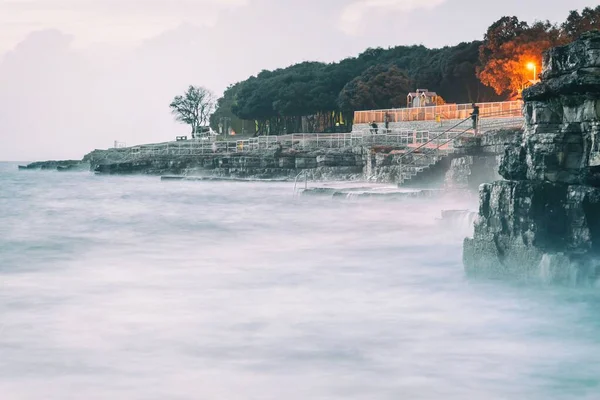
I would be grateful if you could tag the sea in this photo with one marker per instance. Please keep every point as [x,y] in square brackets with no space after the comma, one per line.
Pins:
[129,287]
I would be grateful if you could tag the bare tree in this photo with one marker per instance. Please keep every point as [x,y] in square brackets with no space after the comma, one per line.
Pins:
[194,108]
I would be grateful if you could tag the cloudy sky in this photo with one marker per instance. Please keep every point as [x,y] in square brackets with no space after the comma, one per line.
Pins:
[79,74]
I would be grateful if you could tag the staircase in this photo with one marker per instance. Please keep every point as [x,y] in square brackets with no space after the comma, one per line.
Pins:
[440,146]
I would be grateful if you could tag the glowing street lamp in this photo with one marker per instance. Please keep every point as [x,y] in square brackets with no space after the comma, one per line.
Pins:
[533,67]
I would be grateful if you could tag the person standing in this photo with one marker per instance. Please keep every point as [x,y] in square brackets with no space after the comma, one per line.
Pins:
[387,122]
[475,116]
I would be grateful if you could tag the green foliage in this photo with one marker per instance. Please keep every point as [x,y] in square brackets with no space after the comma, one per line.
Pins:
[223,115]
[379,87]
[576,23]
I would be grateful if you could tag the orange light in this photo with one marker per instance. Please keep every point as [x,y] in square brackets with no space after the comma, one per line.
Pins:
[531,66]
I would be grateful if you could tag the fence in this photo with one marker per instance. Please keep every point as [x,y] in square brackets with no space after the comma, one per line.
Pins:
[448,111]
[309,141]
[296,141]
[199,147]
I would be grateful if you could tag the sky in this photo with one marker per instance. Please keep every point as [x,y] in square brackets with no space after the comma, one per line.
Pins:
[76,75]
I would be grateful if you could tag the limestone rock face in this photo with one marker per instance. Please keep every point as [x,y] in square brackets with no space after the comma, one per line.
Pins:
[562,119]
[544,221]
[571,69]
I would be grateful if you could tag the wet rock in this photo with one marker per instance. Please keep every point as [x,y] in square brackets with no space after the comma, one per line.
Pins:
[287,162]
[520,222]
[306,162]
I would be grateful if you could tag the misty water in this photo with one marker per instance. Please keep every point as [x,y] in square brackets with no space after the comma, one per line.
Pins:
[133,288]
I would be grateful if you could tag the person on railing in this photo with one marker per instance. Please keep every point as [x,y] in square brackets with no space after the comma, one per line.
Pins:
[475,116]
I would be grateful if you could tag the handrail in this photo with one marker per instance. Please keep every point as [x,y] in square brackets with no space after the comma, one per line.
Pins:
[459,134]
[432,139]
[193,148]
[449,130]
[482,113]
[305,181]
[460,106]
[429,113]
[420,155]
[508,114]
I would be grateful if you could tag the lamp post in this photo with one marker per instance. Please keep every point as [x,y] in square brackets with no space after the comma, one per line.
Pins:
[533,67]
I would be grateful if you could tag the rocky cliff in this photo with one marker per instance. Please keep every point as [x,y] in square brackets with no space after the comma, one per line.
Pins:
[543,222]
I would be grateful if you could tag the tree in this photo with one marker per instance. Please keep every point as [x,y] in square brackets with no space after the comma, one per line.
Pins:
[509,47]
[500,32]
[459,83]
[379,87]
[194,108]
[511,44]
[223,117]
[576,23]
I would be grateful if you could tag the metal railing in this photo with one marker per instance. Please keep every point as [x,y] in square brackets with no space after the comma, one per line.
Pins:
[305,173]
[433,113]
[304,142]
[307,141]
[441,145]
